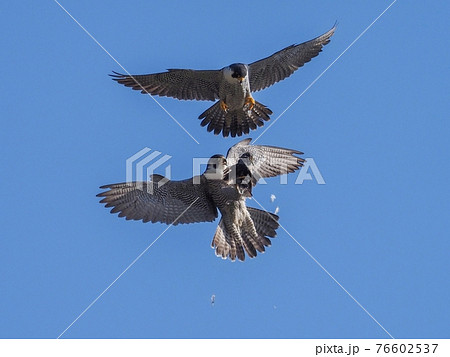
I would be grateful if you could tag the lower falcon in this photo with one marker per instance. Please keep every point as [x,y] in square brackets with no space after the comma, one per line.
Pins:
[236,112]
[241,229]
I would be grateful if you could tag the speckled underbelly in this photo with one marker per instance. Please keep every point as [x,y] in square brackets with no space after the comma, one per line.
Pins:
[233,96]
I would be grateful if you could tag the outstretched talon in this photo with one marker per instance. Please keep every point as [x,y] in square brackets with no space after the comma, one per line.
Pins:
[250,101]
[223,106]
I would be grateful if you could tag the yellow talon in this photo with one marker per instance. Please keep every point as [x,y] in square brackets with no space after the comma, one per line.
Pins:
[223,106]
[250,101]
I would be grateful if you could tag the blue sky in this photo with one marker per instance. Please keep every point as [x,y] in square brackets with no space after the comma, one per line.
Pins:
[376,124]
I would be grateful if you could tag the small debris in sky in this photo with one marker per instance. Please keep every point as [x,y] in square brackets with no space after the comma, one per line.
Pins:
[213,299]
[272,197]
[277,210]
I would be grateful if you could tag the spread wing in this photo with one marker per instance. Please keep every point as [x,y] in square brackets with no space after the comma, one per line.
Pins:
[173,202]
[282,64]
[265,161]
[177,83]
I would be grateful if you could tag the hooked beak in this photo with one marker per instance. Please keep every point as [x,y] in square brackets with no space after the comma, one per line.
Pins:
[240,79]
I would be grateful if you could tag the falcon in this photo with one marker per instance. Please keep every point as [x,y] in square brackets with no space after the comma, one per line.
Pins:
[235,112]
[198,199]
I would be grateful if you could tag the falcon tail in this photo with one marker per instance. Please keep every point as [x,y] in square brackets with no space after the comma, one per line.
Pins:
[236,122]
[250,236]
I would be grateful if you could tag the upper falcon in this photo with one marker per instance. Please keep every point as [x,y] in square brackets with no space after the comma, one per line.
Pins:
[236,112]
[197,199]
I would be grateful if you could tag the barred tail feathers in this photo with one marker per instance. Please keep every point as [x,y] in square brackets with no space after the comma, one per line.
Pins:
[236,122]
[252,236]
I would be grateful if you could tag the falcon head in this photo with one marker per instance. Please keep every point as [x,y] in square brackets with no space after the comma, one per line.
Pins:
[236,72]
[217,168]
[244,178]
[244,166]
[246,157]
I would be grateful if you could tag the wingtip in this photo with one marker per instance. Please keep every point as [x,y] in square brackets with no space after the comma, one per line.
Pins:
[331,31]
[245,141]
[296,152]
[104,193]
[116,75]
